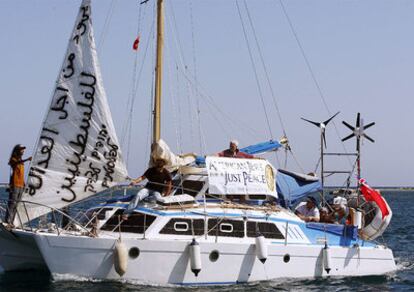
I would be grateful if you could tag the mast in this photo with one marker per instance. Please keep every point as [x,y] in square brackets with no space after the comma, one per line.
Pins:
[156,125]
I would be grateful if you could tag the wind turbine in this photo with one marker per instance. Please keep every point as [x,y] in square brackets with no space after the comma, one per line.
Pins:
[322,127]
[358,132]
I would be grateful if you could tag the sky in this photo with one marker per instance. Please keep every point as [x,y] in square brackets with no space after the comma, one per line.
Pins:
[320,57]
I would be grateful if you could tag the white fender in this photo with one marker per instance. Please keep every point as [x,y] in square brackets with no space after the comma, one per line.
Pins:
[377,225]
[357,220]
[195,257]
[120,258]
[261,248]
[326,259]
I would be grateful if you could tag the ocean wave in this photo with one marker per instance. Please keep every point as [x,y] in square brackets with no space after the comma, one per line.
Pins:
[74,278]
[403,264]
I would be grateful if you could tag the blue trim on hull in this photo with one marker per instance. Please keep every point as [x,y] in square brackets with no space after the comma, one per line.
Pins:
[314,236]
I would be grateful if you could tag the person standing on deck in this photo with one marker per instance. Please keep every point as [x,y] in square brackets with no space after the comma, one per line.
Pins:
[16,184]
[234,151]
[159,185]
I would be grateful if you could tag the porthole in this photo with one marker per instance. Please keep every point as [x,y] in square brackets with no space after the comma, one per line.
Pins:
[133,252]
[214,256]
[181,226]
[286,258]
[226,227]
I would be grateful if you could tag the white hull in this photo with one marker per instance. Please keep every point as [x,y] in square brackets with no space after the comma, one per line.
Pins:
[167,261]
[18,251]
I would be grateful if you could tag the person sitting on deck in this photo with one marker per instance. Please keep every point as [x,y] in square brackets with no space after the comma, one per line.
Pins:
[325,215]
[308,211]
[339,214]
[159,185]
[234,151]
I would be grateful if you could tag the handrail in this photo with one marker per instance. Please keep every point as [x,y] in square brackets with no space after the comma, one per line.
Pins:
[24,202]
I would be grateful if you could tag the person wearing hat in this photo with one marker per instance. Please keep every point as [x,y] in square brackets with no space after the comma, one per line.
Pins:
[340,210]
[308,210]
[159,185]
[16,184]
[234,151]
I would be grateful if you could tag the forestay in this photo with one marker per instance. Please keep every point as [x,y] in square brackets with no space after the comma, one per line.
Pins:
[235,176]
[77,154]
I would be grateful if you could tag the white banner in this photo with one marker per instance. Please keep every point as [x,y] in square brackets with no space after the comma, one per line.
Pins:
[235,176]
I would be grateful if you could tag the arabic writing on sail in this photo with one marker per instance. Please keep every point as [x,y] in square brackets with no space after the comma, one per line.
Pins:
[75,140]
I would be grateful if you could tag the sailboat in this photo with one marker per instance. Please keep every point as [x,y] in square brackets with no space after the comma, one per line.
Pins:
[77,153]
[196,236]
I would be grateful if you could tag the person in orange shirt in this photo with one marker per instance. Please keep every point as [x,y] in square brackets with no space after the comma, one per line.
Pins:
[16,184]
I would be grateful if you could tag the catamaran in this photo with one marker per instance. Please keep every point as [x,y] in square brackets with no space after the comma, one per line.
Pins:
[202,234]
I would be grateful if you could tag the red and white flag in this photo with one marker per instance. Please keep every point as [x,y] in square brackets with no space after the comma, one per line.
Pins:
[373,196]
[135,45]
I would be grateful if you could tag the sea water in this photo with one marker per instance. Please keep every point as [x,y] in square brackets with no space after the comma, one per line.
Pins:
[399,237]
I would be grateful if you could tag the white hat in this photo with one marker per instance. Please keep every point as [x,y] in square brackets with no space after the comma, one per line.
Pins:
[340,201]
[235,142]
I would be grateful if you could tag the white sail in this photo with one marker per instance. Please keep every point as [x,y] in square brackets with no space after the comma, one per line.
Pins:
[77,154]
[160,150]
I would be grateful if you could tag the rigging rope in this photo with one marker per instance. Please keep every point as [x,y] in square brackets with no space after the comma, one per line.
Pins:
[131,100]
[255,70]
[279,114]
[173,97]
[128,125]
[208,99]
[197,96]
[151,109]
[108,19]
[318,87]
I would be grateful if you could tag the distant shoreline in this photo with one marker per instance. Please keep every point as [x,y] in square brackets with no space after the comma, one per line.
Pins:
[408,189]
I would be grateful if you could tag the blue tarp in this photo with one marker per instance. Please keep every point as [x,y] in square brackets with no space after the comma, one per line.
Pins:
[262,147]
[337,229]
[252,149]
[347,231]
[291,186]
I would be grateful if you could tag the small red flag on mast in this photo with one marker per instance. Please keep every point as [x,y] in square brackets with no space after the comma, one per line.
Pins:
[136,43]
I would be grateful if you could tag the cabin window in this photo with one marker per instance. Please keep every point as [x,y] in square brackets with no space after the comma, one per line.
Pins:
[226,227]
[268,230]
[181,226]
[136,222]
[257,197]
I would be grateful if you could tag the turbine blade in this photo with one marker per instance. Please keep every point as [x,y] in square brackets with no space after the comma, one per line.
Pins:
[312,122]
[348,125]
[328,120]
[324,139]
[369,138]
[358,120]
[348,137]
[369,125]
